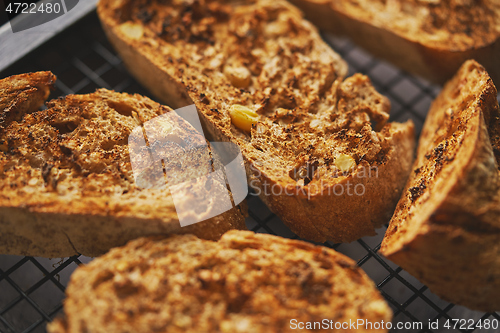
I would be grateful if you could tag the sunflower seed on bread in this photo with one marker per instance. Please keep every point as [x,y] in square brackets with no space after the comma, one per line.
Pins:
[295,112]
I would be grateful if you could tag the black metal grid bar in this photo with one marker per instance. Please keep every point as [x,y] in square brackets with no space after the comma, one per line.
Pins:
[83,60]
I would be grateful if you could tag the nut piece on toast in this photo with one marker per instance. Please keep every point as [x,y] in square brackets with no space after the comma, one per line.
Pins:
[245,282]
[318,149]
[446,228]
[66,181]
[428,38]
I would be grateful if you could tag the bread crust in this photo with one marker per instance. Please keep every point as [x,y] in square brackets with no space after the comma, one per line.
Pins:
[245,282]
[446,228]
[66,182]
[22,94]
[430,39]
[163,64]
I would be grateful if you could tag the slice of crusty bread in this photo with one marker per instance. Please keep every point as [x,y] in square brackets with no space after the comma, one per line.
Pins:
[66,181]
[22,94]
[431,38]
[246,282]
[321,155]
[446,228]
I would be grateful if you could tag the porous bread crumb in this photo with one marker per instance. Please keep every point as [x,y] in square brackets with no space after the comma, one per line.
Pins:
[307,112]
[246,282]
[66,179]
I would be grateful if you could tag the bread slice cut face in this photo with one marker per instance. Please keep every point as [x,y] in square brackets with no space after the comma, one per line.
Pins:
[318,148]
[22,94]
[446,228]
[428,38]
[245,282]
[66,181]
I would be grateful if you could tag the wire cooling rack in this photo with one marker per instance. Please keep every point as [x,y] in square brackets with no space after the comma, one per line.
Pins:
[32,289]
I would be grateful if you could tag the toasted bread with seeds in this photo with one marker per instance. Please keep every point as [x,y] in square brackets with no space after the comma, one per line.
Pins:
[446,228]
[318,148]
[245,282]
[430,38]
[66,181]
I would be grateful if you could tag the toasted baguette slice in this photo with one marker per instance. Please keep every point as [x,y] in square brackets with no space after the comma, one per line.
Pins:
[246,282]
[307,138]
[22,94]
[428,38]
[446,228]
[66,181]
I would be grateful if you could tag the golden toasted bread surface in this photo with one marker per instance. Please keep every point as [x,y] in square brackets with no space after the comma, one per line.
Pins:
[67,184]
[245,282]
[452,24]
[24,93]
[446,228]
[261,77]
[428,38]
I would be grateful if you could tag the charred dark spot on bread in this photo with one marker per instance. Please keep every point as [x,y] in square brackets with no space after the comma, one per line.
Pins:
[417,191]
[46,171]
[439,152]
[305,171]
[145,15]
[65,150]
[204,99]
